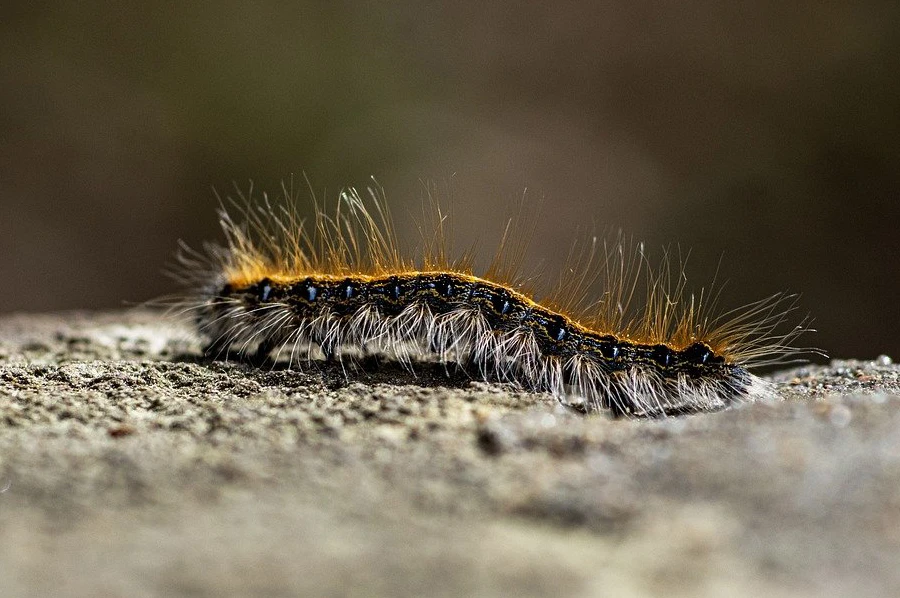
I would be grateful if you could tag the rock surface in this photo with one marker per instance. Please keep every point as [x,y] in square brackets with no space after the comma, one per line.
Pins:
[130,467]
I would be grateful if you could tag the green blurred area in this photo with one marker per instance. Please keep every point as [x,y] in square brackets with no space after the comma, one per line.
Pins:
[766,132]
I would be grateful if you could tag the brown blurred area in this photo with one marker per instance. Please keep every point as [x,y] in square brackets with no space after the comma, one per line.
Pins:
[762,133]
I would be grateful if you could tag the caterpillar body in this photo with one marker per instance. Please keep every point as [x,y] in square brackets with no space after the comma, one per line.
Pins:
[342,290]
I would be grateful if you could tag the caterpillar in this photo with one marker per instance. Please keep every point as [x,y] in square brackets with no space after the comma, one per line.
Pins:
[340,289]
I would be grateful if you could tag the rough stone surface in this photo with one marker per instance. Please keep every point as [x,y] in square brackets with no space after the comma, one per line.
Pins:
[130,467]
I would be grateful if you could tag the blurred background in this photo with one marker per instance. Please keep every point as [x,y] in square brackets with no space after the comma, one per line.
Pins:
[765,134]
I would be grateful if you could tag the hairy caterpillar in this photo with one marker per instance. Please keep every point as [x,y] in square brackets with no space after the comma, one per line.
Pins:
[341,289]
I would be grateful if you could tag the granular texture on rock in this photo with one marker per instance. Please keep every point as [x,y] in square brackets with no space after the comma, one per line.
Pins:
[129,465]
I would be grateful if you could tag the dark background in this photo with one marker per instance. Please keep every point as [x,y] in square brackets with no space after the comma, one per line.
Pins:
[764,132]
